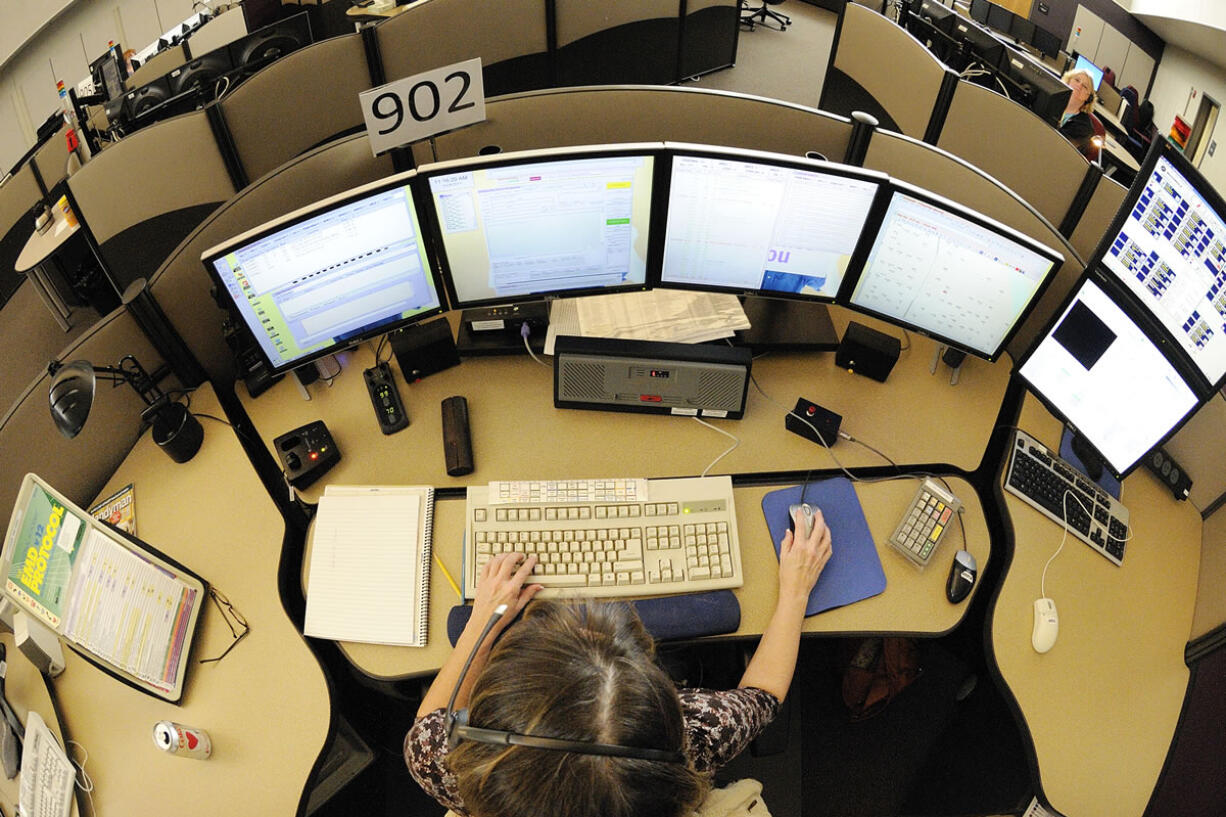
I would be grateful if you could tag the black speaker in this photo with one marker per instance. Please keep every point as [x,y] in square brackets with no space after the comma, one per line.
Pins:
[1169,472]
[424,348]
[868,352]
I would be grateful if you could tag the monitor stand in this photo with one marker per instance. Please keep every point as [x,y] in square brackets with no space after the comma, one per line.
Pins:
[496,330]
[790,326]
[1077,452]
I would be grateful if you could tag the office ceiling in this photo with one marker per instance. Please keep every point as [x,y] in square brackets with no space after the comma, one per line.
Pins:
[1204,41]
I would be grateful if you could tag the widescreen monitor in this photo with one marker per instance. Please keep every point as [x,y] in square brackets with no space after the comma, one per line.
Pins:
[1047,42]
[999,17]
[1021,29]
[952,274]
[979,10]
[329,276]
[542,224]
[1099,370]
[1093,70]
[1168,248]
[766,224]
[983,45]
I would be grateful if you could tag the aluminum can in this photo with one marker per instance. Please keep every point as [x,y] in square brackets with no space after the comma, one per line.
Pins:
[182,741]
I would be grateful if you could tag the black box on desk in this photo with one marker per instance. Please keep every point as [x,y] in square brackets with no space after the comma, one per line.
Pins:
[424,348]
[868,352]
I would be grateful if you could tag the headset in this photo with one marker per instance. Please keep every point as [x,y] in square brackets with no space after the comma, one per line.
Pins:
[458,728]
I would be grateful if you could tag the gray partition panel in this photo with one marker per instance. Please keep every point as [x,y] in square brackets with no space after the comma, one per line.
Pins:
[52,158]
[182,286]
[17,198]
[933,169]
[302,100]
[80,466]
[1103,205]
[582,116]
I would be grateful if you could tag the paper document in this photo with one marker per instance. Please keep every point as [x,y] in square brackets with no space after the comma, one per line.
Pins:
[47,775]
[675,316]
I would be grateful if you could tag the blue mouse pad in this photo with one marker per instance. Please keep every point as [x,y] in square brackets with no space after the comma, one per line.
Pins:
[1107,482]
[854,570]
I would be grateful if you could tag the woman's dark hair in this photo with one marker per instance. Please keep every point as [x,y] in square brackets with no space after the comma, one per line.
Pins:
[582,671]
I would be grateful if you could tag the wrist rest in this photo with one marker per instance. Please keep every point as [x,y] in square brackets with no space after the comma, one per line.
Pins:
[666,617]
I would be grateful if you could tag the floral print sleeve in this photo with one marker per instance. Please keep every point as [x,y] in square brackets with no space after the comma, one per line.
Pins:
[720,724]
[425,753]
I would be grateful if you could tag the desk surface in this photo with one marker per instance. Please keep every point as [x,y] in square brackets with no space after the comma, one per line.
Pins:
[518,434]
[42,245]
[1102,706]
[265,705]
[914,601]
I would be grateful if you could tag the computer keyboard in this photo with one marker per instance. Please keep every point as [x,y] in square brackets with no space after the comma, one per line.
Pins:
[679,536]
[1042,479]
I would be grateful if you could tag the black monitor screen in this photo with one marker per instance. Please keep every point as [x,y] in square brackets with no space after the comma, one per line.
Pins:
[951,274]
[1021,29]
[1170,252]
[324,278]
[1047,43]
[999,17]
[541,224]
[1101,372]
[979,10]
[986,48]
[770,225]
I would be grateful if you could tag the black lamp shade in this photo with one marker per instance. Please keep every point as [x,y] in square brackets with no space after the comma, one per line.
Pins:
[72,395]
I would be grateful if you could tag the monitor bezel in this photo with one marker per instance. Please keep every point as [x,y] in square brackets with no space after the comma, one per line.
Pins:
[896,187]
[434,235]
[1161,149]
[663,188]
[1141,319]
[298,216]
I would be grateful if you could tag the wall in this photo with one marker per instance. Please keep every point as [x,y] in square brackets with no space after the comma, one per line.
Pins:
[1061,13]
[1178,73]
[63,50]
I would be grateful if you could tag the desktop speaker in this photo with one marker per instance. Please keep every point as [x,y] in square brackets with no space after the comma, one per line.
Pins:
[651,377]
[1169,472]
[868,352]
[423,349]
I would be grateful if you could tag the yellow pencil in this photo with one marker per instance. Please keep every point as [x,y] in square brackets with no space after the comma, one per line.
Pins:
[447,576]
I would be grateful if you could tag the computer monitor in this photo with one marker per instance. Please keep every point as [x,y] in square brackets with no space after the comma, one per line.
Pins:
[979,10]
[263,46]
[1093,70]
[763,224]
[201,73]
[984,47]
[538,225]
[941,16]
[950,273]
[1167,247]
[329,276]
[1046,42]
[999,17]
[1021,29]
[1097,368]
[1042,92]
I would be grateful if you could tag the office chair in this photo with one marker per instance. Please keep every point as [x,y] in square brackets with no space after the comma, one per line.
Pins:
[763,12]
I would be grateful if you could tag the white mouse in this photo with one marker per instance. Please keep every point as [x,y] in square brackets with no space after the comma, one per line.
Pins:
[1046,625]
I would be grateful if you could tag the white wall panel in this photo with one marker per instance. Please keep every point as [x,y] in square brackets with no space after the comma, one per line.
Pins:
[1138,68]
[1112,51]
[1087,31]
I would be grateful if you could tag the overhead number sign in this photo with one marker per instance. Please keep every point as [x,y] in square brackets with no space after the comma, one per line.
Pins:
[424,105]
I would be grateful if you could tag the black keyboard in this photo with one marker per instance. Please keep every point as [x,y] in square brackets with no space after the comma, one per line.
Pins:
[1059,491]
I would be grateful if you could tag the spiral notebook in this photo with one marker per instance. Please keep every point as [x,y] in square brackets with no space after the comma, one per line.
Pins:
[369,576]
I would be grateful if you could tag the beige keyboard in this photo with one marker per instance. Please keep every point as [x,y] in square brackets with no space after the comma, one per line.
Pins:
[681,537]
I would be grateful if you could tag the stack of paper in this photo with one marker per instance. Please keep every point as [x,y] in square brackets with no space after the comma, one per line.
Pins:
[675,316]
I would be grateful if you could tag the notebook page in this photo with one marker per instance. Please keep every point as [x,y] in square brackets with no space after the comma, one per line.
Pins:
[365,563]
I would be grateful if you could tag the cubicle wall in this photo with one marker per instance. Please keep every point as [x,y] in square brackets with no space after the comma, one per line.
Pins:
[51,159]
[711,29]
[77,467]
[181,285]
[587,116]
[1104,203]
[17,198]
[140,197]
[302,100]
[876,64]
[635,40]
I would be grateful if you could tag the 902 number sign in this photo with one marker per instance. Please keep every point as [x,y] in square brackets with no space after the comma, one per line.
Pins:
[424,105]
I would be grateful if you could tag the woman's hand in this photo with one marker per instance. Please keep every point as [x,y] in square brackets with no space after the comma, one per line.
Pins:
[802,558]
[502,581]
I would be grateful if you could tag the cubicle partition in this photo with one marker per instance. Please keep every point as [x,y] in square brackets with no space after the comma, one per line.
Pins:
[710,33]
[634,40]
[51,158]
[304,99]
[141,196]
[1096,217]
[181,285]
[17,199]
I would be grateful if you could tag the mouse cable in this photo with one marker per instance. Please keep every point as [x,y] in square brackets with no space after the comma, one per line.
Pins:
[735,442]
[83,781]
[524,332]
[804,420]
[1063,537]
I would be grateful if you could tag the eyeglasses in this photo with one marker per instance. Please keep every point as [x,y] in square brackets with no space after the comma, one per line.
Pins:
[233,619]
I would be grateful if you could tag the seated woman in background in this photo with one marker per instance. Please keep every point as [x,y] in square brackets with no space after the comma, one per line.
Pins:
[1075,123]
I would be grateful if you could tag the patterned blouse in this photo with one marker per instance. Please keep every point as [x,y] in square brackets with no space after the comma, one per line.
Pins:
[718,726]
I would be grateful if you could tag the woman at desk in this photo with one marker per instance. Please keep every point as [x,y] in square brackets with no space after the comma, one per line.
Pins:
[1075,122]
[584,675]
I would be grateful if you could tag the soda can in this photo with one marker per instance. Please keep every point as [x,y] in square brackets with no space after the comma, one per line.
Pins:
[182,741]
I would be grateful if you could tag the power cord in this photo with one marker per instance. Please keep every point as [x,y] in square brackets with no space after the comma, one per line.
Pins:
[524,332]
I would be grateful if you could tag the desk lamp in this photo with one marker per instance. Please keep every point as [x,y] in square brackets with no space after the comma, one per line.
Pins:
[175,430]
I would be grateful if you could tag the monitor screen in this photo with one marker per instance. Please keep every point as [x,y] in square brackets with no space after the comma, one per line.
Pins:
[1104,375]
[1047,42]
[1021,29]
[331,275]
[542,224]
[986,48]
[769,225]
[979,10]
[999,17]
[1170,252]
[952,274]
[1093,70]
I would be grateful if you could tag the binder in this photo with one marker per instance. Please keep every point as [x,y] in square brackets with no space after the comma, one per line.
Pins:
[369,575]
[70,572]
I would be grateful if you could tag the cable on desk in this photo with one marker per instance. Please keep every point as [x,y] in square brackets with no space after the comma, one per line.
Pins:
[524,332]
[735,442]
[84,782]
[804,420]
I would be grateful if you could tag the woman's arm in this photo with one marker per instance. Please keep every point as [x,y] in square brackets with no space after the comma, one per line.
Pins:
[501,582]
[801,560]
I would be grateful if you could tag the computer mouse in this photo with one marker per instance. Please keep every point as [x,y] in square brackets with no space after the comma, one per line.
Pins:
[1046,625]
[962,575]
[806,511]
